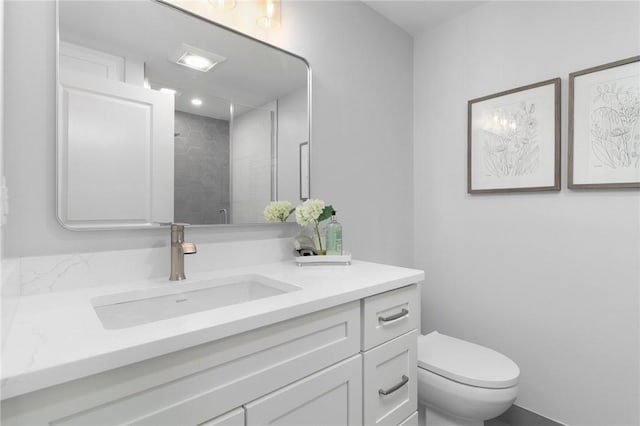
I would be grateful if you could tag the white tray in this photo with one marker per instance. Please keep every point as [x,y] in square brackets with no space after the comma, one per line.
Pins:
[330,259]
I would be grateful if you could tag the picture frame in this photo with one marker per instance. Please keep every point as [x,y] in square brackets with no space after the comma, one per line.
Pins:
[304,171]
[604,126]
[513,140]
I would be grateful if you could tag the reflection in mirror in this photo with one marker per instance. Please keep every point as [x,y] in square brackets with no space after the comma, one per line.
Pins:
[166,117]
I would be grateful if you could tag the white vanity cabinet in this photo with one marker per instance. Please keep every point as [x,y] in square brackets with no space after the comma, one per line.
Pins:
[323,368]
[389,349]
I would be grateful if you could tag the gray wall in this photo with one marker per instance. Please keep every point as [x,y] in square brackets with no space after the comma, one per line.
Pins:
[550,279]
[201,169]
[357,131]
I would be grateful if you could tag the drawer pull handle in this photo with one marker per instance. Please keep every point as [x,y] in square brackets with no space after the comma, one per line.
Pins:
[391,390]
[403,313]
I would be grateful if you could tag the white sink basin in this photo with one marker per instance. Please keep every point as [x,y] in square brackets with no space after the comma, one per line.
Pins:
[132,308]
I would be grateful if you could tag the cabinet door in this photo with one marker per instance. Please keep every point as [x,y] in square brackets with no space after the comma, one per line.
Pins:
[332,396]
[390,381]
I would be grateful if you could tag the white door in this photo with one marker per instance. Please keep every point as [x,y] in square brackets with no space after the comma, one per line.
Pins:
[330,397]
[115,153]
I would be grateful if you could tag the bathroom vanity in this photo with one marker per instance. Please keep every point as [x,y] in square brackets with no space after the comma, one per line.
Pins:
[253,345]
[330,345]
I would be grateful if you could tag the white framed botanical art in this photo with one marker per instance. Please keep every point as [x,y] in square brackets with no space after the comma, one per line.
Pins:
[604,126]
[513,140]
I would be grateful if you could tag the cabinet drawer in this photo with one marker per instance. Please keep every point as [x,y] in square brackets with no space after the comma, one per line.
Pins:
[388,315]
[412,420]
[390,381]
[331,397]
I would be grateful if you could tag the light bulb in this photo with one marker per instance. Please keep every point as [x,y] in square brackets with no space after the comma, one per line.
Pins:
[269,14]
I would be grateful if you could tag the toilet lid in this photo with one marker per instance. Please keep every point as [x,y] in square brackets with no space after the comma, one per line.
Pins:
[466,362]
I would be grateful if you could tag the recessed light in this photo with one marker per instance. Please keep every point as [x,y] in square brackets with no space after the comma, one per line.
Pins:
[196,102]
[196,62]
[195,58]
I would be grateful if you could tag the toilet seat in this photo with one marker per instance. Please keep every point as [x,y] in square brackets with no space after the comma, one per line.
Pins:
[466,362]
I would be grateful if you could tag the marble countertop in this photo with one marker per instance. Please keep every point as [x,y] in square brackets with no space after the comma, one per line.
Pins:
[57,337]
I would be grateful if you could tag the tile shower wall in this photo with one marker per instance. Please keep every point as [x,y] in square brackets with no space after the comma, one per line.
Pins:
[201,169]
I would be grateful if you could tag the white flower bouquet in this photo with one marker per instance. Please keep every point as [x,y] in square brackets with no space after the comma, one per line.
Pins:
[311,212]
[278,211]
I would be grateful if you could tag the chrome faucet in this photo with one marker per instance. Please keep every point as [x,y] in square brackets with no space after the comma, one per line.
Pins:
[178,249]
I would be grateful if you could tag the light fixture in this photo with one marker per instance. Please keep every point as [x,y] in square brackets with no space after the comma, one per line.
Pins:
[269,14]
[196,62]
[223,4]
[195,58]
[196,102]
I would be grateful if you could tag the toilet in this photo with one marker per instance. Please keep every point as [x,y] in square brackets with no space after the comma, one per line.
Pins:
[461,383]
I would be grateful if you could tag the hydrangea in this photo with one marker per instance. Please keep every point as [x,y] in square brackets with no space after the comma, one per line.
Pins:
[308,212]
[311,212]
[278,211]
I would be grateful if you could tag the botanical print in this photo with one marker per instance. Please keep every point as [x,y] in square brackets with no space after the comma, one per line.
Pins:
[510,142]
[614,124]
[514,139]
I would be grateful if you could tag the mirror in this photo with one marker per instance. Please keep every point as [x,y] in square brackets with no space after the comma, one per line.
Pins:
[166,117]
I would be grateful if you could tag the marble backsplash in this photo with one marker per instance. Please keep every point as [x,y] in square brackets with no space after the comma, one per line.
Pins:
[42,274]
[10,293]
[28,276]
